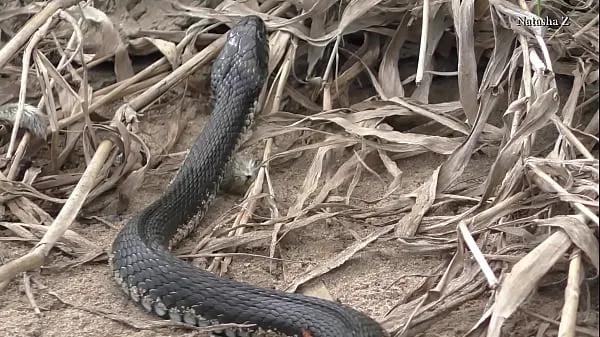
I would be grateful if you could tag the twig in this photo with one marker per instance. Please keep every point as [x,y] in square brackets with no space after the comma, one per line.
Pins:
[12,171]
[283,79]
[587,27]
[203,255]
[580,330]
[144,324]
[29,293]
[478,255]
[339,258]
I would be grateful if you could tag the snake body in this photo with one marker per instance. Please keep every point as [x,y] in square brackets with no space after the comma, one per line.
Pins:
[171,288]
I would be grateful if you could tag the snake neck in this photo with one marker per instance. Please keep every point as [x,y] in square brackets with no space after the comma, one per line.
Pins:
[173,216]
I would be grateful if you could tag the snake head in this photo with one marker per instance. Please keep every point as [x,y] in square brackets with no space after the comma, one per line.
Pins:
[244,57]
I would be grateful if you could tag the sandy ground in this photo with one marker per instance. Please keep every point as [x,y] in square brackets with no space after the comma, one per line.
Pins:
[367,282]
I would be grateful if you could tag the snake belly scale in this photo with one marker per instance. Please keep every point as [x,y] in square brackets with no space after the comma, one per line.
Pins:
[171,288]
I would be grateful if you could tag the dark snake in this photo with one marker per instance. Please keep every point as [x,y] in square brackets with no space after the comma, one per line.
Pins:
[173,289]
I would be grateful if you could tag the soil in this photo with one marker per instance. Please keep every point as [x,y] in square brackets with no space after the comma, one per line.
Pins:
[373,281]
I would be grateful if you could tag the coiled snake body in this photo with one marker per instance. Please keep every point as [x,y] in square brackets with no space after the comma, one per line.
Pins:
[174,289]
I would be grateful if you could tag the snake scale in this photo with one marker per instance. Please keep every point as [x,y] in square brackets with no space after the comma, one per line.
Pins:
[173,289]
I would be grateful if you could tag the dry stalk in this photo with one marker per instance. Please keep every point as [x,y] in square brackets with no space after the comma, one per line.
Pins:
[478,255]
[116,92]
[525,85]
[592,24]
[578,329]
[131,89]
[35,39]
[264,171]
[568,320]
[423,44]
[29,294]
[12,172]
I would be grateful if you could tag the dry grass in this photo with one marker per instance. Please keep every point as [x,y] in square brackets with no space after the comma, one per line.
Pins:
[538,205]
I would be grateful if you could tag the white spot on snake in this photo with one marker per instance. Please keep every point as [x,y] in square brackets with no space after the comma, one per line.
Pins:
[174,315]
[243,333]
[189,317]
[233,42]
[134,294]
[202,322]
[147,303]
[160,308]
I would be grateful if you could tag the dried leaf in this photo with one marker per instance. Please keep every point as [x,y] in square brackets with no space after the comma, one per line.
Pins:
[539,114]
[524,277]
[580,234]
[389,75]
[463,14]
[111,42]
[409,224]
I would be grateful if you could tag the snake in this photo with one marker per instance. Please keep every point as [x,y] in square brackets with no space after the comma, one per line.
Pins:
[171,288]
